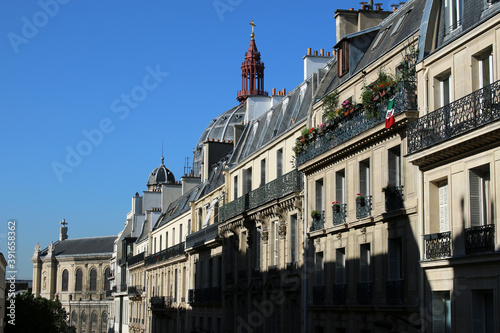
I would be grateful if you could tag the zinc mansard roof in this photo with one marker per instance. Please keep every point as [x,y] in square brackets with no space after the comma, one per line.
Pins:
[397,28]
[82,247]
[181,205]
[280,119]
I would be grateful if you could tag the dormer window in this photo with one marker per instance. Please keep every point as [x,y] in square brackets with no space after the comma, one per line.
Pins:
[453,14]
[343,58]
[380,37]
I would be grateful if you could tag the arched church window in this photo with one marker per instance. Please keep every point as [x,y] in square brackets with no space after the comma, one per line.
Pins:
[65,280]
[93,279]
[78,280]
[107,275]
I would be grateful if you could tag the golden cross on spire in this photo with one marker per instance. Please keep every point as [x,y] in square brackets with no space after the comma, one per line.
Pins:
[253,26]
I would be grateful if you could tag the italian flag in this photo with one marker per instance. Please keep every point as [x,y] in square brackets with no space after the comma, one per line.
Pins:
[389,117]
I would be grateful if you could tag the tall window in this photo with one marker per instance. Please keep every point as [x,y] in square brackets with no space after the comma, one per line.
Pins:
[161,241]
[257,247]
[175,285]
[107,275]
[481,205]
[216,212]
[395,259]
[453,14]
[279,163]
[364,263]
[319,194]
[441,312]
[319,271]
[275,243]
[180,233]
[65,277]
[235,187]
[340,276]
[78,279]
[93,279]
[340,186]
[263,172]
[364,177]
[173,236]
[154,244]
[442,86]
[394,161]
[293,238]
[483,311]
[166,240]
[247,180]
[444,223]
[485,68]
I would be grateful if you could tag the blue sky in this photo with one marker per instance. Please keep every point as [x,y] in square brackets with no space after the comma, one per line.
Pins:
[89,91]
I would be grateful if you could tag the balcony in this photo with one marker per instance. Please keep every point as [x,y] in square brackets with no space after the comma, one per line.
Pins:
[276,189]
[318,222]
[319,295]
[355,124]
[157,302]
[394,292]
[135,259]
[364,207]
[202,236]
[205,296]
[171,252]
[393,198]
[438,245]
[364,293]
[480,239]
[339,294]
[463,115]
[339,213]
[134,291]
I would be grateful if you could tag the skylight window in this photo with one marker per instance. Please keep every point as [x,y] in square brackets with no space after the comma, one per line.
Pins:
[280,118]
[380,37]
[299,102]
[400,22]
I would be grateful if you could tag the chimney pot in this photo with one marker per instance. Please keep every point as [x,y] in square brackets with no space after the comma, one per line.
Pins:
[284,92]
[315,53]
[402,3]
[308,51]
[327,54]
[274,91]
[394,7]
[351,8]
[322,52]
[378,6]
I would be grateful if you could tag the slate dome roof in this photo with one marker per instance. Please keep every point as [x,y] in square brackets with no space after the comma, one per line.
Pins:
[161,175]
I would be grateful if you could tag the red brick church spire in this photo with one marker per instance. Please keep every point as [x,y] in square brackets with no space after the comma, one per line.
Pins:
[252,72]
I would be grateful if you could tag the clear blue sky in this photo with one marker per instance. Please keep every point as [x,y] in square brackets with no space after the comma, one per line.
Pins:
[66,71]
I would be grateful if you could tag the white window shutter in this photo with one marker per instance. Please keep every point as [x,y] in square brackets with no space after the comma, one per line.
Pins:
[444,224]
[474,199]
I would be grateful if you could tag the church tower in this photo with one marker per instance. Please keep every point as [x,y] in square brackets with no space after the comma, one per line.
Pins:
[252,72]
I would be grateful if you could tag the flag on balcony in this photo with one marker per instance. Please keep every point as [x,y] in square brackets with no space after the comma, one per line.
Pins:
[389,117]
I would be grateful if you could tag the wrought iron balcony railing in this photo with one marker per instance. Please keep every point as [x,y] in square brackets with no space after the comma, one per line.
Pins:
[202,236]
[157,302]
[463,115]
[318,295]
[134,291]
[363,207]
[394,198]
[205,295]
[135,259]
[394,292]
[480,239]
[339,213]
[438,245]
[318,222]
[364,293]
[357,123]
[339,293]
[278,188]
[166,254]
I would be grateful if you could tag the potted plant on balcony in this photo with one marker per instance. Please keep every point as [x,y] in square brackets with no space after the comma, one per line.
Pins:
[336,206]
[360,200]
[316,215]
[389,189]
[330,105]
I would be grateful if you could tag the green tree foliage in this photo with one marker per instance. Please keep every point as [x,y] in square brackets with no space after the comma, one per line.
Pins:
[37,314]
